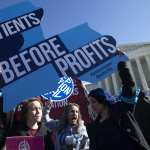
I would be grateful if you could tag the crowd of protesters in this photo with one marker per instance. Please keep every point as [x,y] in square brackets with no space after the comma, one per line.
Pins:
[115,126]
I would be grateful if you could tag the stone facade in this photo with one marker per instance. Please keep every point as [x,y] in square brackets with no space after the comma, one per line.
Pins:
[139,65]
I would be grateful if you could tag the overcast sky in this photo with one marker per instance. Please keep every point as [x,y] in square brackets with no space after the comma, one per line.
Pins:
[128,21]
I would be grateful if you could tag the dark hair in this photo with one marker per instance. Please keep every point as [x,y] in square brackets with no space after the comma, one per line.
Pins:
[25,108]
[101,96]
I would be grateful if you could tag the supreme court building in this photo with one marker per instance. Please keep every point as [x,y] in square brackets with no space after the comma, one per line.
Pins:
[139,65]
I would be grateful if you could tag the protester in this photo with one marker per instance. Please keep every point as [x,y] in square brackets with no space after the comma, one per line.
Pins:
[2,122]
[115,127]
[71,133]
[31,122]
[142,114]
[2,129]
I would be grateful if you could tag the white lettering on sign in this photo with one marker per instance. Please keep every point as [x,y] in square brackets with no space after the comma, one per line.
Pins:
[53,51]
[86,57]
[20,24]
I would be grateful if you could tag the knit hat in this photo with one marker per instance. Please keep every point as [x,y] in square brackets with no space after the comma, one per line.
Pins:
[102,96]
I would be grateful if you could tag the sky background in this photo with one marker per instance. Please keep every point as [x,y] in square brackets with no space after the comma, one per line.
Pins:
[128,21]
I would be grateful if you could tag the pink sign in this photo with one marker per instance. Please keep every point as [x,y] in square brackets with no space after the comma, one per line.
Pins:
[25,143]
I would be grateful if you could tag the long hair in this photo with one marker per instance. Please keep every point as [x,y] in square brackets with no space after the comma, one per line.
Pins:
[64,119]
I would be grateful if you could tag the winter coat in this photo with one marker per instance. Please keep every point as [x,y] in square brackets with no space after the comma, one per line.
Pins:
[69,138]
[23,130]
[120,131]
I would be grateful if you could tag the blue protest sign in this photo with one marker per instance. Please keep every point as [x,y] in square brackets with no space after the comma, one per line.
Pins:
[64,90]
[35,69]
[18,24]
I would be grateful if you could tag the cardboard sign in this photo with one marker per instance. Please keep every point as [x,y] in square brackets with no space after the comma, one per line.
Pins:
[25,143]
[35,67]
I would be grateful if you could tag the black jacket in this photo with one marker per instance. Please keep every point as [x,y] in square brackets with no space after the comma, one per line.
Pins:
[2,137]
[2,130]
[119,132]
[142,115]
[129,125]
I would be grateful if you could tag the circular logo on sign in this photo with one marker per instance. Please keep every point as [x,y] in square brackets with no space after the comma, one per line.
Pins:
[64,90]
[24,145]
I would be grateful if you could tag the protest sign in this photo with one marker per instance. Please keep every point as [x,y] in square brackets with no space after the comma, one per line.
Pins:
[25,143]
[64,90]
[35,69]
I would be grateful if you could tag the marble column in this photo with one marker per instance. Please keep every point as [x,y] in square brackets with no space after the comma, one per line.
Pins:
[141,73]
[115,85]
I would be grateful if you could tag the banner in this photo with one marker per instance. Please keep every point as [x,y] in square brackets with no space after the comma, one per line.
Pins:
[19,28]
[25,143]
[35,68]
